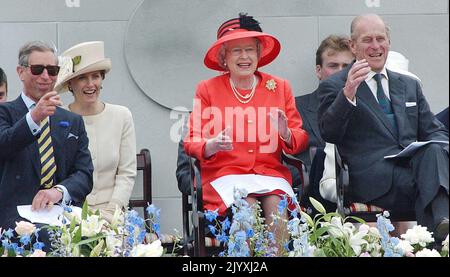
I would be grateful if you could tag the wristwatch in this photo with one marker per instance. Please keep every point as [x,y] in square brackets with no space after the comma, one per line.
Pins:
[60,190]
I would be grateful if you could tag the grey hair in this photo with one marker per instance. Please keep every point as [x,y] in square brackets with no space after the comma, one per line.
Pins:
[222,50]
[356,20]
[30,47]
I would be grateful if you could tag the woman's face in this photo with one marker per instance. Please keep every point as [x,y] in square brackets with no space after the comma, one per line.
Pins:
[241,56]
[86,87]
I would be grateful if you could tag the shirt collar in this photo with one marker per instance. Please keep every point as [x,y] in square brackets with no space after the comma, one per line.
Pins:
[27,100]
[372,73]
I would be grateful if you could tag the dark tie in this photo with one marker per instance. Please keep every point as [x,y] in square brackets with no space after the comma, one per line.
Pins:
[384,102]
[48,165]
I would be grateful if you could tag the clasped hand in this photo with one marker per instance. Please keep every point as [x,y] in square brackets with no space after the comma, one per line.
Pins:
[222,142]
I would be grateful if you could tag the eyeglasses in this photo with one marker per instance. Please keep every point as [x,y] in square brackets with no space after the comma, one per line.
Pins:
[37,69]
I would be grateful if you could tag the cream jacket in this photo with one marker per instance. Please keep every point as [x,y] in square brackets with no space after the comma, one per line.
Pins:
[112,143]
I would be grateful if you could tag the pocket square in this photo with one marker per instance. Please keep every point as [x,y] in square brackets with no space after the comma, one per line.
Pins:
[72,136]
[410,104]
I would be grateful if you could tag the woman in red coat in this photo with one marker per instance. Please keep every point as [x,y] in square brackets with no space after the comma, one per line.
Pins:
[242,120]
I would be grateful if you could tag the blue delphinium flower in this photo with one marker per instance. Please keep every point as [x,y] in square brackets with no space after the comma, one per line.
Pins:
[388,244]
[211,215]
[282,205]
[154,216]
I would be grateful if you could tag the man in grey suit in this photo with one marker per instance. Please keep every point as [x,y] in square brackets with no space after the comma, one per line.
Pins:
[34,173]
[332,56]
[370,112]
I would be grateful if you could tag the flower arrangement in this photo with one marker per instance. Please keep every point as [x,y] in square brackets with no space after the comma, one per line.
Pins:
[325,235]
[88,235]
[22,241]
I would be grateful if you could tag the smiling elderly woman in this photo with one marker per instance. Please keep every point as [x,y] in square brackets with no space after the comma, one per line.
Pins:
[110,128]
[242,120]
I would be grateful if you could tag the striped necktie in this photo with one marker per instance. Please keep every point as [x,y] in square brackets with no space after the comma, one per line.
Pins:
[384,102]
[48,165]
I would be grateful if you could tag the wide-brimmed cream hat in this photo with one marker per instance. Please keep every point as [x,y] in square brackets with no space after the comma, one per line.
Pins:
[80,59]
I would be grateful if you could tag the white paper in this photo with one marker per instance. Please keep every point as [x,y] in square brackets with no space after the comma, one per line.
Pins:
[51,216]
[413,147]
[252,183]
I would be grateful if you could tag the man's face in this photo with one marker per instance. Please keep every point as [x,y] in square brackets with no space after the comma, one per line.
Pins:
[333,62]
[3,93]
[371,43]
[35,86]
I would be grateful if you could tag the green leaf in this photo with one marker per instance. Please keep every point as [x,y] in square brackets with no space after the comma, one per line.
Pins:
[316,204]
[97,249]
[91,239]
[84,211]
[76,60]
[356,218]
[77,236]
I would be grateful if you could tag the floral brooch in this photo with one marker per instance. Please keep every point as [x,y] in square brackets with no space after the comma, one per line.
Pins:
[271,85]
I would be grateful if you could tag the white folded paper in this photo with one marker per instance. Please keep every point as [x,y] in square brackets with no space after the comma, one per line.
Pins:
[51,216]
[413,147]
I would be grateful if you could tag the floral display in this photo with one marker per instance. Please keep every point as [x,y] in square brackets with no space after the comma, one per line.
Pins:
[325,235]
[86,234]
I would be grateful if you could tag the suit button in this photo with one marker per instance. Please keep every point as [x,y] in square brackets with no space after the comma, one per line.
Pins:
[17,177]
[250,151]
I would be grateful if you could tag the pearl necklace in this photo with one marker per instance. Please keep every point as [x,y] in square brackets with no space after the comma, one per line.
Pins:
[246,98]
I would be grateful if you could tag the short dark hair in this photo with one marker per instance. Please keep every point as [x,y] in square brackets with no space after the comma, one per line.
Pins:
[3,79]
[333,42]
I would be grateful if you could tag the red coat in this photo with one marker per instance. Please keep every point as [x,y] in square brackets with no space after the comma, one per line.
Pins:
[250,155]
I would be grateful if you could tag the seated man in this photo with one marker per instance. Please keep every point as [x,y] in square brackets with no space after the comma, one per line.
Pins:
[362,110]
[44,156]
[327,185]
[332,56]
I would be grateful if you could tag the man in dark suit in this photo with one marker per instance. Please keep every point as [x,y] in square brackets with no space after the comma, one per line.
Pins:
[370,112]
[27,175]
[332,56]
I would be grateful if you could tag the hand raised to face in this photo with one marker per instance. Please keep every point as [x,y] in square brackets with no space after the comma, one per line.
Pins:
[356,75]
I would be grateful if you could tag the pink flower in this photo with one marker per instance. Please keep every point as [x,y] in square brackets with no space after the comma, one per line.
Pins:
[24,228]
[38,253]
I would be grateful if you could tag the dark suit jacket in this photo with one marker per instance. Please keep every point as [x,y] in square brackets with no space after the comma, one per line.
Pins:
[308,105]
[443,117]
[183,171]
[364,135]
[20,164]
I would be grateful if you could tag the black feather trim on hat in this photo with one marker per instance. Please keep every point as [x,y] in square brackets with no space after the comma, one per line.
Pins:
[248,23]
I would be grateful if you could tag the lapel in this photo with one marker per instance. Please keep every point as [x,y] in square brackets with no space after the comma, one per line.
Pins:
[368,99]
[311,111]
[20,111]
[59,134]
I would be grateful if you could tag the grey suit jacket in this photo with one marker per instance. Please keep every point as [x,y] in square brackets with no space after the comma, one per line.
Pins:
[364,135]
[308,105]
[20,163]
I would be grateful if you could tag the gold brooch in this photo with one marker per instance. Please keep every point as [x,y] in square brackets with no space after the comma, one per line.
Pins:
[271,85]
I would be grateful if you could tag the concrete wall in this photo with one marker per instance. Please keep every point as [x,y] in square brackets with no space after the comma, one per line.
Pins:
[157,49]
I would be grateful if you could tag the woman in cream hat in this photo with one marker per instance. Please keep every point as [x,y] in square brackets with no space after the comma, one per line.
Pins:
[241,122]
[109,127]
